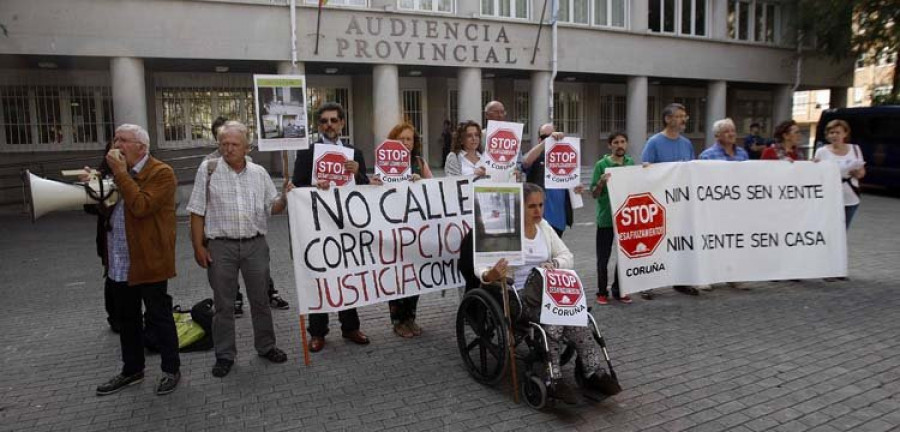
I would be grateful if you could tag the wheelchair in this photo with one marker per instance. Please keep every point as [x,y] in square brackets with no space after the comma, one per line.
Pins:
[482,338]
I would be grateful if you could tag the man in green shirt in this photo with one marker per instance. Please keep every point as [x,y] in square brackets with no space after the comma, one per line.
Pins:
[618,143]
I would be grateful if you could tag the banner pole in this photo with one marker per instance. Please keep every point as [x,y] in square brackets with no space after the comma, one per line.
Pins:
[285,158]
[511,341]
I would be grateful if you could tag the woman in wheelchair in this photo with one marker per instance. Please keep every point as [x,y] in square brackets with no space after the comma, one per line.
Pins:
[544,248]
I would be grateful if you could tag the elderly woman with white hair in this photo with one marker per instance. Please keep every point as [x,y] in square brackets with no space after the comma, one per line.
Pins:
[725,147]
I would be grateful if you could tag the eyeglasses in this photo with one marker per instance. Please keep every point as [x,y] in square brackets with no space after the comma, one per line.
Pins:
[332,120]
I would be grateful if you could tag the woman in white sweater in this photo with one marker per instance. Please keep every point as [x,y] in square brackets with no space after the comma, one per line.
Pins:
[464,158]
[850,161]
[544,248]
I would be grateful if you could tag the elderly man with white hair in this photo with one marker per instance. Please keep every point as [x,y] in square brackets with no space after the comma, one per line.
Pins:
[230,205]
[141,257]
[725,147]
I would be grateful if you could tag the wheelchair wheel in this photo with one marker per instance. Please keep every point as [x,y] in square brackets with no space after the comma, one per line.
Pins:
[534,391]
[482,337]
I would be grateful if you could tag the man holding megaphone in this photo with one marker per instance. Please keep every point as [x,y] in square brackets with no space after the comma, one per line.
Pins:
[141,256]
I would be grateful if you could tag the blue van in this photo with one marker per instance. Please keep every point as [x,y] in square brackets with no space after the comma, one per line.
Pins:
[877,132]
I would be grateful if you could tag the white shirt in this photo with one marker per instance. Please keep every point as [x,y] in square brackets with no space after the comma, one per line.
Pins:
[466,166]
[844,164]
[239,203]
[537,252]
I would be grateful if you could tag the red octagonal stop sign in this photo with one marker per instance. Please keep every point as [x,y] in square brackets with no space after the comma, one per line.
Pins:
[502,146]
[562,159]
[392,158]
[563,287]
[330,166]
[641,224]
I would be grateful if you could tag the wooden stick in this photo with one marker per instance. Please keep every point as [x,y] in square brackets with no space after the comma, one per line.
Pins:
[511,339]
[285,158]
[306,359]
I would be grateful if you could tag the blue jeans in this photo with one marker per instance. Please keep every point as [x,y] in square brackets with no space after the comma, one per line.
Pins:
[849,211]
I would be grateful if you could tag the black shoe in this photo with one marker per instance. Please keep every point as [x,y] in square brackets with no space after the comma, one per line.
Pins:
[168,383]
[688,290]
[276,302]
[238,308]
[647,295]
[603,383]
[222,368]
[564,392]
[275,355]
[118,383]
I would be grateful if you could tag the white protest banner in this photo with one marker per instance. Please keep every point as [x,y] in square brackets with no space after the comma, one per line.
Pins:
[328,164]
[393,162]
[281,112]
[499,225]
[360,245]
[562,163]
[705,222]
[501,149]
[563,300]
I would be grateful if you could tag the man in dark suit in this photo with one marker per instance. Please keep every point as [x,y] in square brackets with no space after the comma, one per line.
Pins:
[330,118]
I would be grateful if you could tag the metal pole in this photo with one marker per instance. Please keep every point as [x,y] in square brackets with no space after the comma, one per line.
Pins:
[553,59]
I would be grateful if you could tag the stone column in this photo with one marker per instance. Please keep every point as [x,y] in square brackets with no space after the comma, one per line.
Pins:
[469,94]
[539,101]
[385,100]
[636,121]
[128,91]
[716,96]
[783,104]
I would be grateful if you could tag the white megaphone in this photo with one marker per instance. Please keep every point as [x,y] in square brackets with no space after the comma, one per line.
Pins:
[51,195]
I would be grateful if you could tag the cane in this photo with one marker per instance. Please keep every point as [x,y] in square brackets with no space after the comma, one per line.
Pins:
[511,340]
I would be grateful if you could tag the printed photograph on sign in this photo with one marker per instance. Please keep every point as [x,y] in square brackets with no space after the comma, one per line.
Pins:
[281,121]
[328,164]
[501,149]
[562,163]
[393,162]
[563,301]
[498,223]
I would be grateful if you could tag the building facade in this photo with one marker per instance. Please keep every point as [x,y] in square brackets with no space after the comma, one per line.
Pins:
[72,69]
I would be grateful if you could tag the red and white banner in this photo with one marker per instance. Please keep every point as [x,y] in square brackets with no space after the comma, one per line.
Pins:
[563,301]
[393,162]
[328,164]
[704,222]
[360,245]
[562,163]
[501,149]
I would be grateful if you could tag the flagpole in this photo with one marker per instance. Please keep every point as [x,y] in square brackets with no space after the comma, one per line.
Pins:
[318,24]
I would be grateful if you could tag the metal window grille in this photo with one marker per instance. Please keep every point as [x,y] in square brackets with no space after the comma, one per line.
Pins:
[521,111]
[50,111]
[486,97]
[187,104]
[316,96]
[412,111]
[654,114]
[567,106]
[453,106]
[612,113]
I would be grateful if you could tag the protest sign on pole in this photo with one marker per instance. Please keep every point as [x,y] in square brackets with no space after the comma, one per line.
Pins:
[563,301]
[499,224]
[393,162]
[361,245]
[562,163]
[501,149]
[328,164]
[281,122]
[706,222]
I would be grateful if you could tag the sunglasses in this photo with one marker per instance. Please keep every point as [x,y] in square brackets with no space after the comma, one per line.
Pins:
[332,120]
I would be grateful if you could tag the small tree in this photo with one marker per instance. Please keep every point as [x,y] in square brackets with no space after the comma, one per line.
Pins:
[850,28]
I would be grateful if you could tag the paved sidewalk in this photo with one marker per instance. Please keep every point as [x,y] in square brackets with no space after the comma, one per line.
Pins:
[790,356]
